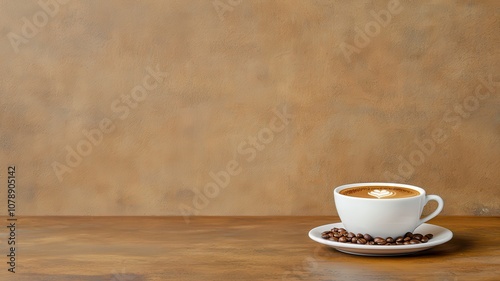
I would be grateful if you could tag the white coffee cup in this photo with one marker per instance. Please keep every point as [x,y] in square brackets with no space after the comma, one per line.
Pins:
[383,217]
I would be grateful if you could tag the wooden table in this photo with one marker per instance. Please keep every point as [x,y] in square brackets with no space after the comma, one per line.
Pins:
[232,248]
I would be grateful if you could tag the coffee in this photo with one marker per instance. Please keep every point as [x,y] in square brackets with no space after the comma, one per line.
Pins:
[380,192]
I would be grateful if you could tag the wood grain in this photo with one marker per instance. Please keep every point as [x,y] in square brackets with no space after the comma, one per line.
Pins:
[233,248]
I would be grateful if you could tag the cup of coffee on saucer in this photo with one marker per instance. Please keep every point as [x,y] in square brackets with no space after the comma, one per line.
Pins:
[381,219]
[383,209]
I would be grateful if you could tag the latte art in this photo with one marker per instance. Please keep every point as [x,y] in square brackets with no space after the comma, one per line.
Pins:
[380,193]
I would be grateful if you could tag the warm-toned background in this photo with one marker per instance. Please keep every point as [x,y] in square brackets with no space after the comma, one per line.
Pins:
[231,65]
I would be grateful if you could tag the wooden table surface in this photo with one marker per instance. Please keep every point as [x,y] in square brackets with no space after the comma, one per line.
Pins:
[232,248]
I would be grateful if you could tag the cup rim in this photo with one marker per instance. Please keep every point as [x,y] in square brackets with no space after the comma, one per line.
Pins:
[337,190]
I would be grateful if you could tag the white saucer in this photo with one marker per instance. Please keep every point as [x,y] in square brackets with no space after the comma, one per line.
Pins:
[441,235]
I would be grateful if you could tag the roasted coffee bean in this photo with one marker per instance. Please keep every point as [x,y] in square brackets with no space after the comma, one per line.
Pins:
[361,241]
[343,236]
[417,236]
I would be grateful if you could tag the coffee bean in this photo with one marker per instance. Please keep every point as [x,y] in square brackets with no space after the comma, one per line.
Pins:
[361,241]
[343,236]
[417,236]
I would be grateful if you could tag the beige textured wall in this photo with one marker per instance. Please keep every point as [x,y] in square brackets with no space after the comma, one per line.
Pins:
[335,96]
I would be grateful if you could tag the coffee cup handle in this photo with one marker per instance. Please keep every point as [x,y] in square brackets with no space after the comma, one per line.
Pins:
[438,209]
